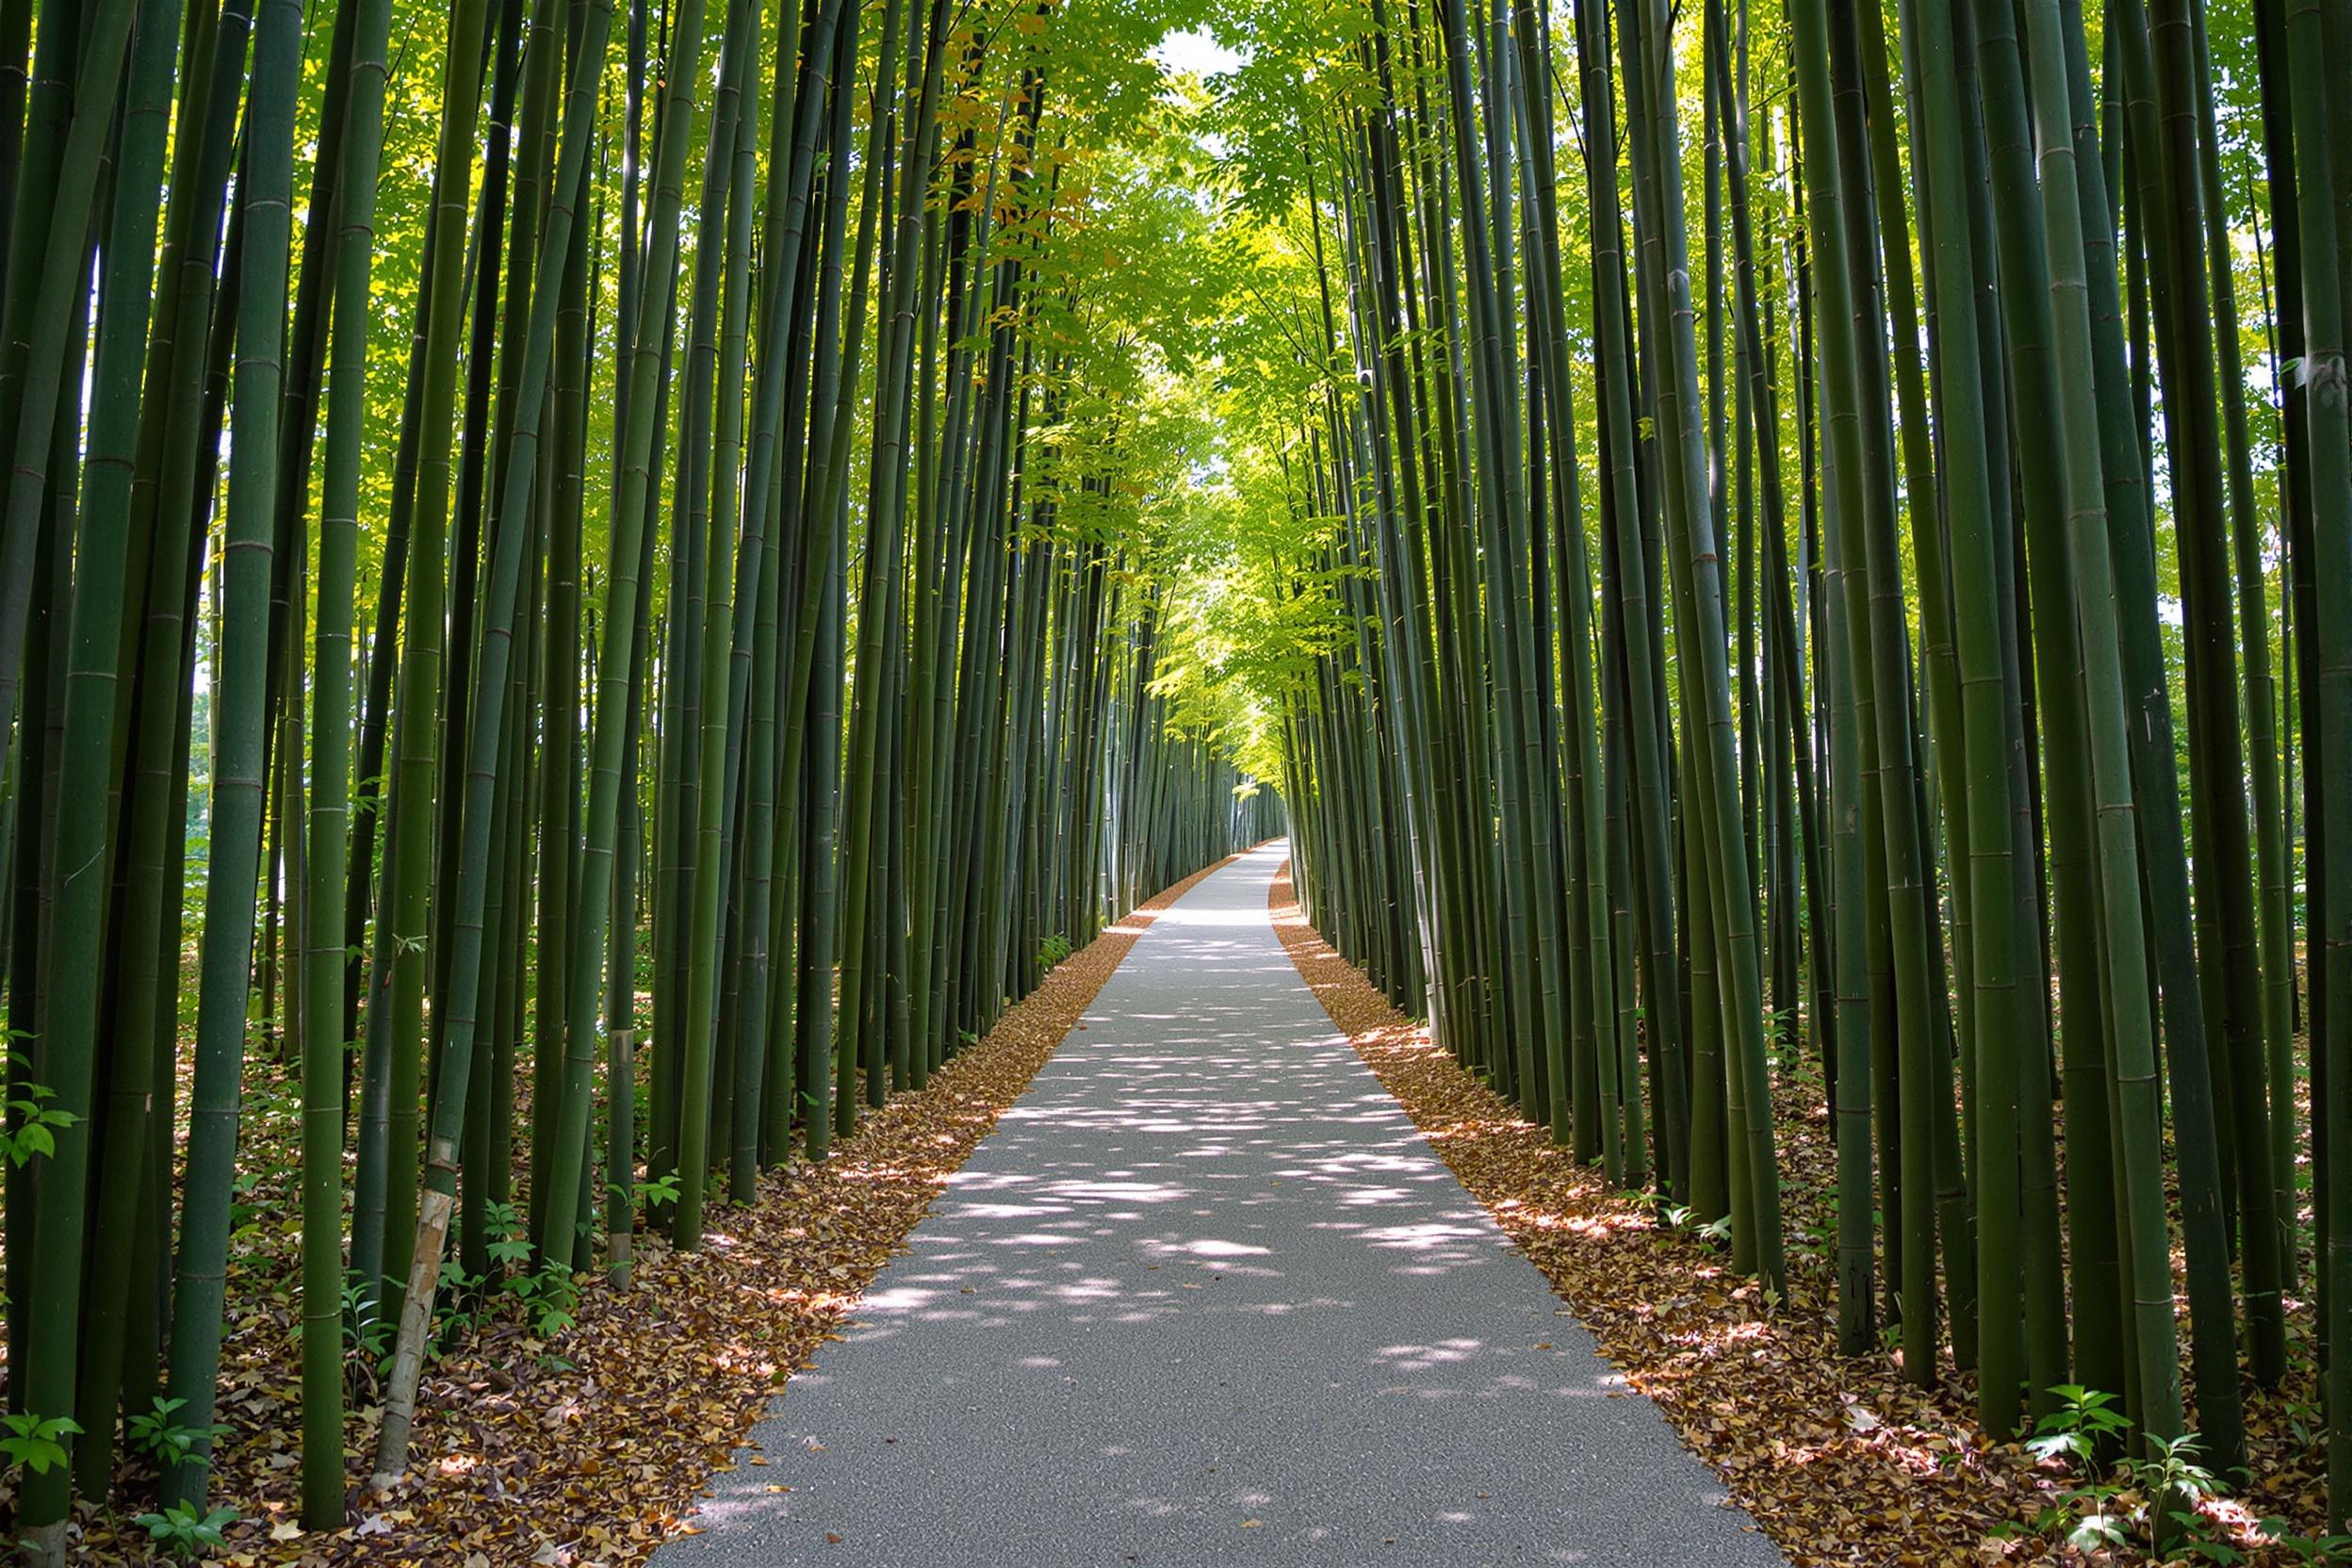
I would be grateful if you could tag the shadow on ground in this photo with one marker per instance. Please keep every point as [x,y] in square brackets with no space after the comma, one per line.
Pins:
[1207,1293]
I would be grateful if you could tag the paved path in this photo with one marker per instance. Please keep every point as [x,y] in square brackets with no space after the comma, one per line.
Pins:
[1206,1297]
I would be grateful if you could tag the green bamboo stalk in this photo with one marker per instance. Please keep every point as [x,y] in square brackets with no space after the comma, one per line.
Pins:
[488,717]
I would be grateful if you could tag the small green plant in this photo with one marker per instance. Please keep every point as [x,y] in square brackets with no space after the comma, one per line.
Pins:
[2085,1422]
[507,1246]
[180,1530]
[665,1189]
[32,1124]
[457,1305]
[244,1213]
[164,1438]
[367,1335]
[2147,1500]
[2171,1483]
[2306,1548]
[549,1296]
[1682,1217]
[1053,950]
[2097,1525]
[38,1441]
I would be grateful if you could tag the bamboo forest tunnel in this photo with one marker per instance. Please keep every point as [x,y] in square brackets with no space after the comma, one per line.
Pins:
[591,590]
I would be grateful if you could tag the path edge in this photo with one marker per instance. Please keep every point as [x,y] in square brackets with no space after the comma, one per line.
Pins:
[987,1078]
[1381,1035]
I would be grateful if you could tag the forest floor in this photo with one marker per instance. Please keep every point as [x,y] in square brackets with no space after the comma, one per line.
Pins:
[1839,1459]
[590,1446]
[585,1448]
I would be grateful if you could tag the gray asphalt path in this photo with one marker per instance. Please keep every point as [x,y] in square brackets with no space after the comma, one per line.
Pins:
[1207,1296]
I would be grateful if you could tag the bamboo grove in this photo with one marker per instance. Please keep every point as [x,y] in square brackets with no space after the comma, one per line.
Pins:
[1822,531]
[574,595]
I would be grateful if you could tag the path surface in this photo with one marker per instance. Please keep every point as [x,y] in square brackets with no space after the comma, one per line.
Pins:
[1205,1296]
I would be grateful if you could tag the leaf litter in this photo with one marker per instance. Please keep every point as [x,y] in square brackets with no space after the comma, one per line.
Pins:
[589,1448]
[1837,1458]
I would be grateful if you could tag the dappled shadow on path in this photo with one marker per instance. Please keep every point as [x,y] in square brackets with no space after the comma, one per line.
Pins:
[1207,1292]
